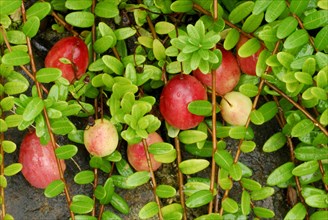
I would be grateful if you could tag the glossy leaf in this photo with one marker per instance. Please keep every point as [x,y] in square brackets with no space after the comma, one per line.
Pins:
[192,136]
[200,107]
[84,177]
[149,210]
[138,178]
[252,22]
[231,39]
[317,201]
[223,158]
[249,48]
[47,75]
[297,212]
[281,174]
[66,151]
[119,203]
[263,212]
[296,39]
[8,146]
[245,203]
[108,215]
[306,168]
[109,189]
[16,58]
[81,19]
[286,27]
[250,184]
[241,11]
[230,205]
[301,128]
[165,191]
[247,146]
[81,206]
[54,189]
[12,169]
[199,199]
[275,142]
[274,10]
[262,193]
[191,166]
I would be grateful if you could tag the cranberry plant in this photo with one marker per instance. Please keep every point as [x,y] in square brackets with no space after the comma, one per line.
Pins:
[134,49]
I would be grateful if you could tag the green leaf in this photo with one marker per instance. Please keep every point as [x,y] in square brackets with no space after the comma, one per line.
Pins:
[12,169]
[160,148]
[16,58]
[247,146]
[212,216]
[285,59]
[108,215]
[81,19]
[81,206]
[268,110]
[149,210]
[158,50]
[323,118]
[252,22]
[192,136]
[124,33]
[114,64]
[245,203]
[249,48]
[298,7]
[248,89]
[78,4]
[102,44]
[302,128]
[308,153]
[274,10]
[320,41]
[7,103]
[84,177]
[172,208]
[263,212]
[235,172]
[319,215]
[199,199]
[33,109]
[250,184]
[304,78]
[315,20]
[47,75]
[119,203]
[182,6]
[165,191]
[55,188]
[297,212]
[62,126]
[107,9]
[257,117]
[317,201]
[66,151]
[39,9]
[169,157]
[164,27]
[275,142]
[200,107]
[3,181]
[223,158]
[231,39]
[262,193]
[9,6]
[8,146]
[260,6]
[296,39]
[230,205]
[237,132]
[191,166]
[281,174]
[286,27]
[12,121]
[138,178]
[241,11]
[31,26]
[306,168]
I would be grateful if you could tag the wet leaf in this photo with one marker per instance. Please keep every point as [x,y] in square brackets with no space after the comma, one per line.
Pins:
[81,19]
[84,177]
[16,58]
[165,191]
[230,205]
[12,169]
[262,193]
[200,107]
[138,178]
[263,212]
[66,151]
[199,199]
[55,188]
[275,142]
[281,174]
[149,210]
[191,166]
[241,11]
[297,212]
[47,75]
[192,136]
[245,203]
